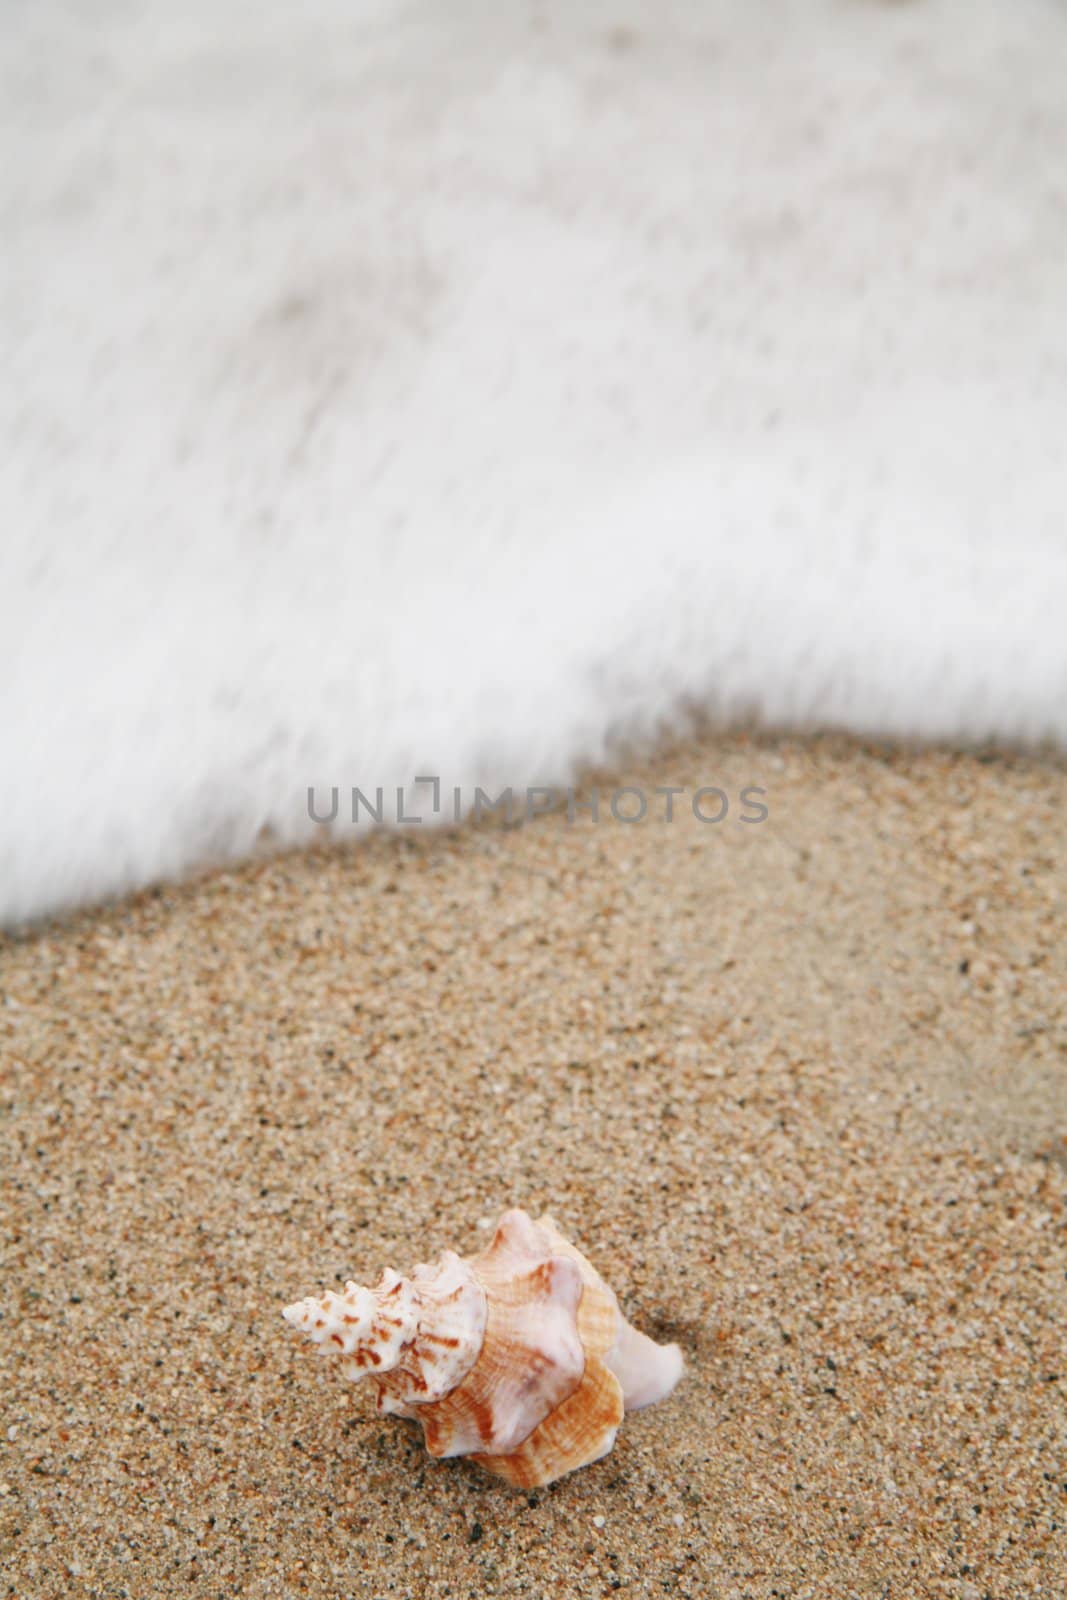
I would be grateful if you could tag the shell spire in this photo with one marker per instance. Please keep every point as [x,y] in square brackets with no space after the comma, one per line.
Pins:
[518,1356]
[417,1337]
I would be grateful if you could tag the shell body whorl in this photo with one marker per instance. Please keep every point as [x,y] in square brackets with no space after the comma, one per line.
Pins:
[518,1355]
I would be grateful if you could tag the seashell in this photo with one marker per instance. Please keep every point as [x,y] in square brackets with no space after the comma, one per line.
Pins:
[518,1356]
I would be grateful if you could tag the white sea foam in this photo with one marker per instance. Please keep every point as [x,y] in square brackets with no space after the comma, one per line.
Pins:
[393,388]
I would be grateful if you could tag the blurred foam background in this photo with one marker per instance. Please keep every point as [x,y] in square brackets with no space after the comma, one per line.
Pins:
[406,387]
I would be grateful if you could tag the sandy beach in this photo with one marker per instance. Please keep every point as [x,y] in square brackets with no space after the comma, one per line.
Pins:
[799,1089]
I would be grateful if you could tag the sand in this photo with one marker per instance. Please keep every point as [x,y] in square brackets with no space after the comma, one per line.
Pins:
[798,1087]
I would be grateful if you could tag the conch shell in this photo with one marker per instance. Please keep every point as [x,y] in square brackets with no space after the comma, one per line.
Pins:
[518,1356]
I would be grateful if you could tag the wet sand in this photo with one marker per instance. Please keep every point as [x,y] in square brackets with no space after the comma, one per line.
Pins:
[799,1088]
